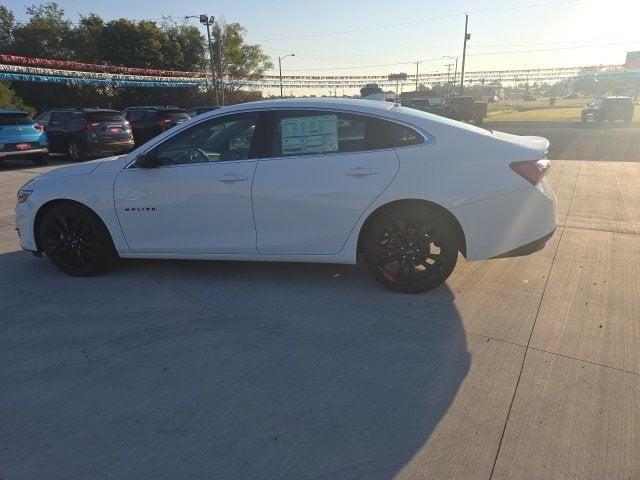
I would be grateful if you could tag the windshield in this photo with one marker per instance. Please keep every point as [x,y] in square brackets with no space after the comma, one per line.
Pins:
[106,117]
[17,118]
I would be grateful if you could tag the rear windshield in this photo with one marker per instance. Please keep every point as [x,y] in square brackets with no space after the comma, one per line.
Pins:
[175,114]
[105,117]
[15,119]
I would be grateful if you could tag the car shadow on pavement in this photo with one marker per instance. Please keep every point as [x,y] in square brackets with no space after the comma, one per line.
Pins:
[169,369]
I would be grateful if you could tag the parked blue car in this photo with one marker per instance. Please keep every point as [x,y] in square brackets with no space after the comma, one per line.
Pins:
[22,138]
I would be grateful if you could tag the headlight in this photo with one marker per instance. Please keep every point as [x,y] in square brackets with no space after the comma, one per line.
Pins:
[22,195]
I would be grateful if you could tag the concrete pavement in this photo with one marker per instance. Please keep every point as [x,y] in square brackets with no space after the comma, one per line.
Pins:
[523,368]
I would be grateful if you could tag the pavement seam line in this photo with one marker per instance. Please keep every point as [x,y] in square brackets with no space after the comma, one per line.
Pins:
[620,232]
[533,327]
[569,357]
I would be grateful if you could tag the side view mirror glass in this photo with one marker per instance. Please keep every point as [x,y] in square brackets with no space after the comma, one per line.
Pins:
[147,160]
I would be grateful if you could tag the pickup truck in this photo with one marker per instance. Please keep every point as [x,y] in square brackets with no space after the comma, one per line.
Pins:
[463,108]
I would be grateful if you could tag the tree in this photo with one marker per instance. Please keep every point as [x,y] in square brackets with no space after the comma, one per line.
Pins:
[47,34]
[241,62]
[7,24]
[9,99]
[370,89]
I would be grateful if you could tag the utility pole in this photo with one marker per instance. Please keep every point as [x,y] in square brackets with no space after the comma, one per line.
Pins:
[280,70]
[207,20]
[455,74]
[417,63]
[467,36]
[449,65]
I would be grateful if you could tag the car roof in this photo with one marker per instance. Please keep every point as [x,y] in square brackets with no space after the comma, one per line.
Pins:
[82,109]
[355,104]
[155,107]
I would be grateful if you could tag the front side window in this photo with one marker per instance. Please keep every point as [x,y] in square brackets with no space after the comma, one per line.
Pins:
[219,139]
[318,132]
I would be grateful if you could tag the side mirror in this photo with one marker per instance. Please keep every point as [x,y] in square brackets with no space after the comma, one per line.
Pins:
[147,160]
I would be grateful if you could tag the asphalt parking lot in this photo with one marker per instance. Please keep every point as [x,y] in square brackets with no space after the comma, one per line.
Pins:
[525,368]
[586,141]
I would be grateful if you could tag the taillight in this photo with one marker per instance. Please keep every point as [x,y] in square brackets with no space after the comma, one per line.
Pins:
[91,125]
[39,127]
[532,171]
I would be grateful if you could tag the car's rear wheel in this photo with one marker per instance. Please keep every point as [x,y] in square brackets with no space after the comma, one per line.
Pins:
[75,241]
[76,151]
[411,250]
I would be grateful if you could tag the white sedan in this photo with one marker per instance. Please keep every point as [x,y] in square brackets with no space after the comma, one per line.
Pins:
[318,180]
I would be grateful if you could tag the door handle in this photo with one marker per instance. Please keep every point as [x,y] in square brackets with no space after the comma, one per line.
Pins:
[362,172]
[233,178]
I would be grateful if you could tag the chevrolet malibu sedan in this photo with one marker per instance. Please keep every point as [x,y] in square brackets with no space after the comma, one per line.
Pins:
[318,180]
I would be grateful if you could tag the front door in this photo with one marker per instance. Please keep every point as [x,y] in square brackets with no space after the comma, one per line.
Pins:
[198,198]
[325,169]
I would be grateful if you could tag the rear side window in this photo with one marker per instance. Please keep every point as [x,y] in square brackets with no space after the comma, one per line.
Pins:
[17,118]
[105,117]
[321,132]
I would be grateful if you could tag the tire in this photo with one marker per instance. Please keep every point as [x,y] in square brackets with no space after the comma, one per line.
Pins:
[411,250]
[75,240]
[76,151]
[41,160]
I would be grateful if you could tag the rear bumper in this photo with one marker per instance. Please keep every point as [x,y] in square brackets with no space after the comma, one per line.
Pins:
[529,248]
[25,153]
[110,147]
[510,222]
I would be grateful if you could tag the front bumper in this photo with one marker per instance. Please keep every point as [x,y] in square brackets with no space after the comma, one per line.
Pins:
[37,152]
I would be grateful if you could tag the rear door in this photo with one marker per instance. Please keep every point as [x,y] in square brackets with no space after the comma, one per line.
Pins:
[56,130]
[324,170]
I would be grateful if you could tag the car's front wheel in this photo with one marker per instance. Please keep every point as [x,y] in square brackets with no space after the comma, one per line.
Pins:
[75,241]
[411,250]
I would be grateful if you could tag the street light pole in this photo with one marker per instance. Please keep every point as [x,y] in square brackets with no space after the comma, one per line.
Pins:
[280,70]
[467,36]
[220,72]
[417,63]
[207,20]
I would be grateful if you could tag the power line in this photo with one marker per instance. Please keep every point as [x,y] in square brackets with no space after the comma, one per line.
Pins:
[420,20]
[469,55]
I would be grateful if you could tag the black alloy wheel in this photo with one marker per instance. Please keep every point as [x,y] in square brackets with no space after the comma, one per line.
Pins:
[411,250]
[75,241]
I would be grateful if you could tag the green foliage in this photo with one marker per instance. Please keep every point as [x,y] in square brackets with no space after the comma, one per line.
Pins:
[7,24]
[241,62]
[166,45]
[370,89]
[9,99]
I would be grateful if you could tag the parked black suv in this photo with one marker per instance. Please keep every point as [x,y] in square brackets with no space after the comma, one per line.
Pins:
[609,108]
[86,132]
[147,122]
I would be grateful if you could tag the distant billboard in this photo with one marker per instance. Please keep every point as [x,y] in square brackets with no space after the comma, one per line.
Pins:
[633,60]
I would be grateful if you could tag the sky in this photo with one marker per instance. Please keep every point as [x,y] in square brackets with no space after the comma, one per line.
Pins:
[353,37]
